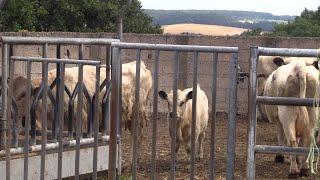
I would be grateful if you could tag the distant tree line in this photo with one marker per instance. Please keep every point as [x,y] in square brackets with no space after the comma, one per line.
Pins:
[305,25]
[241,19]
[74,16]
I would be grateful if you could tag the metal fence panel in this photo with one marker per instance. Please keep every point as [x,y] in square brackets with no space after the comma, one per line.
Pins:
[9,127]
[157,48]
[253,148]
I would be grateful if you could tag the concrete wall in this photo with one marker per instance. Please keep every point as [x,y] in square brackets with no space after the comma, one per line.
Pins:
[166,58]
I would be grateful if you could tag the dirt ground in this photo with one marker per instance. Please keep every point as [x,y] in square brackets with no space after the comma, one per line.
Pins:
[266,168]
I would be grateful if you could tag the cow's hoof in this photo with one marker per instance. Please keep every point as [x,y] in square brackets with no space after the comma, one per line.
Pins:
[293,175]
[279,158]
[304,172]
[263,119]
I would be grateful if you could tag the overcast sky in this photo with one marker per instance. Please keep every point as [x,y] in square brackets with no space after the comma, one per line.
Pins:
[277,7]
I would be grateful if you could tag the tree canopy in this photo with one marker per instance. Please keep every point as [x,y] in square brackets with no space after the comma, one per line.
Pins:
[74,16]
[305,25]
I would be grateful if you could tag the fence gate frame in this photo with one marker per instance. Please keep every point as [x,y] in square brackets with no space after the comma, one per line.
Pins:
[254,99]
[59,145]
[157,48]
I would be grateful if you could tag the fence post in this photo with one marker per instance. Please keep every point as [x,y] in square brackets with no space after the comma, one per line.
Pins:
[115,111]
[232,116]
[252,113]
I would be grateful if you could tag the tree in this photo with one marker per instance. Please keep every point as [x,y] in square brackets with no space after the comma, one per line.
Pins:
[252,32]
[74,15]
[305,25]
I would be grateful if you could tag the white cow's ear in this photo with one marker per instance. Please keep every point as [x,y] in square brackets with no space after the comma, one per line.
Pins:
[189,96]
[163,95]
[316,64]
[278,61]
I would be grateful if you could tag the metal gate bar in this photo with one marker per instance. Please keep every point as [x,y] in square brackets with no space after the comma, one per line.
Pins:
[116,100]
[44,112]
[255,52]
[213,113]
[27,123]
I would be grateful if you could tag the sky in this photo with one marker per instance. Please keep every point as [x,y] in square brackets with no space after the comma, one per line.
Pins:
[276,7]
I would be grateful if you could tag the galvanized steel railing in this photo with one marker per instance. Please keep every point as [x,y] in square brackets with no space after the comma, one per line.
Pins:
[7,72]
[116,103]
[255,52]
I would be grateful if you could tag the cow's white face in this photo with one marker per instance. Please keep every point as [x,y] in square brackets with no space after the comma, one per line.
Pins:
[182,99]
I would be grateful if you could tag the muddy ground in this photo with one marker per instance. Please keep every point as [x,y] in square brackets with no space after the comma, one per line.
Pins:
[266,168]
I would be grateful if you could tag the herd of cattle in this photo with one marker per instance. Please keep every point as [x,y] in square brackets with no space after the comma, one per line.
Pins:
[281,77]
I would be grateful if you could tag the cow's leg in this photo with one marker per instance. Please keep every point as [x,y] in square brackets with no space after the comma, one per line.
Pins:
[200,141]
[263,116]
[304,166]
[139,136]
[179,139]
[287,117]
[281,142]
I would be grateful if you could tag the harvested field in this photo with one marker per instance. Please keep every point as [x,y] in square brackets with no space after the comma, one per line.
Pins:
[266,168]
[205,29]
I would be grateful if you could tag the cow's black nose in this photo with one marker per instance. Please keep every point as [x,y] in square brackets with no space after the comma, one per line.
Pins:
[171,114]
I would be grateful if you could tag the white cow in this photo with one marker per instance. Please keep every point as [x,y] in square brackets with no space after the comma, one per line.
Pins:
[293,121]
[184,117]
[89,73]
[266,66]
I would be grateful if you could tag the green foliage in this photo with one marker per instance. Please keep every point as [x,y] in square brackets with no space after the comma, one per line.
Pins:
[252,32]
[305,25]
[75,16]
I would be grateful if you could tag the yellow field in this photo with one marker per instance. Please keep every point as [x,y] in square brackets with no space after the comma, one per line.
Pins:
[204,29]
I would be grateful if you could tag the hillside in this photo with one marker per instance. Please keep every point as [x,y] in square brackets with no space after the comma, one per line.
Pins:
[204,29]
[241,19]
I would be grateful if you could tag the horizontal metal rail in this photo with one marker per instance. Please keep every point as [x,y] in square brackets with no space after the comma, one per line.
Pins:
[53,146]
[56,40]
[55,60]
[288,52]
[286,101]
[170,47]
[282,150]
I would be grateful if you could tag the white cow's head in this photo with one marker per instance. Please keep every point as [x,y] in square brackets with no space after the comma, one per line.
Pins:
[182,98]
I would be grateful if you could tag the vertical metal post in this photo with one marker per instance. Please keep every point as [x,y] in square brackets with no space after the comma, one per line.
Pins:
[119,130]
[55,122]
[4,70]
[254,53]
[9,121]
[60,89]
[232,116]
[154,115]
[213,114]
[79,113]
[106,115]
[27,123]
[173,122]
[13,117]
[194,112]
[136,108]
[120,27]
[115,111]
[96,123]
[44,112]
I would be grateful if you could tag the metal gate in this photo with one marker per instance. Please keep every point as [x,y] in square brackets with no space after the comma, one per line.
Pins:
[76,151]
[253,148]
[118,48]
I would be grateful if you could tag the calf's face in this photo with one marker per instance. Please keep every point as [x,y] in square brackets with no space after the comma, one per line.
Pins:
[182,99]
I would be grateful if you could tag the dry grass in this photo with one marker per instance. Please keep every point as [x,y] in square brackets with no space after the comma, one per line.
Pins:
[204,29]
